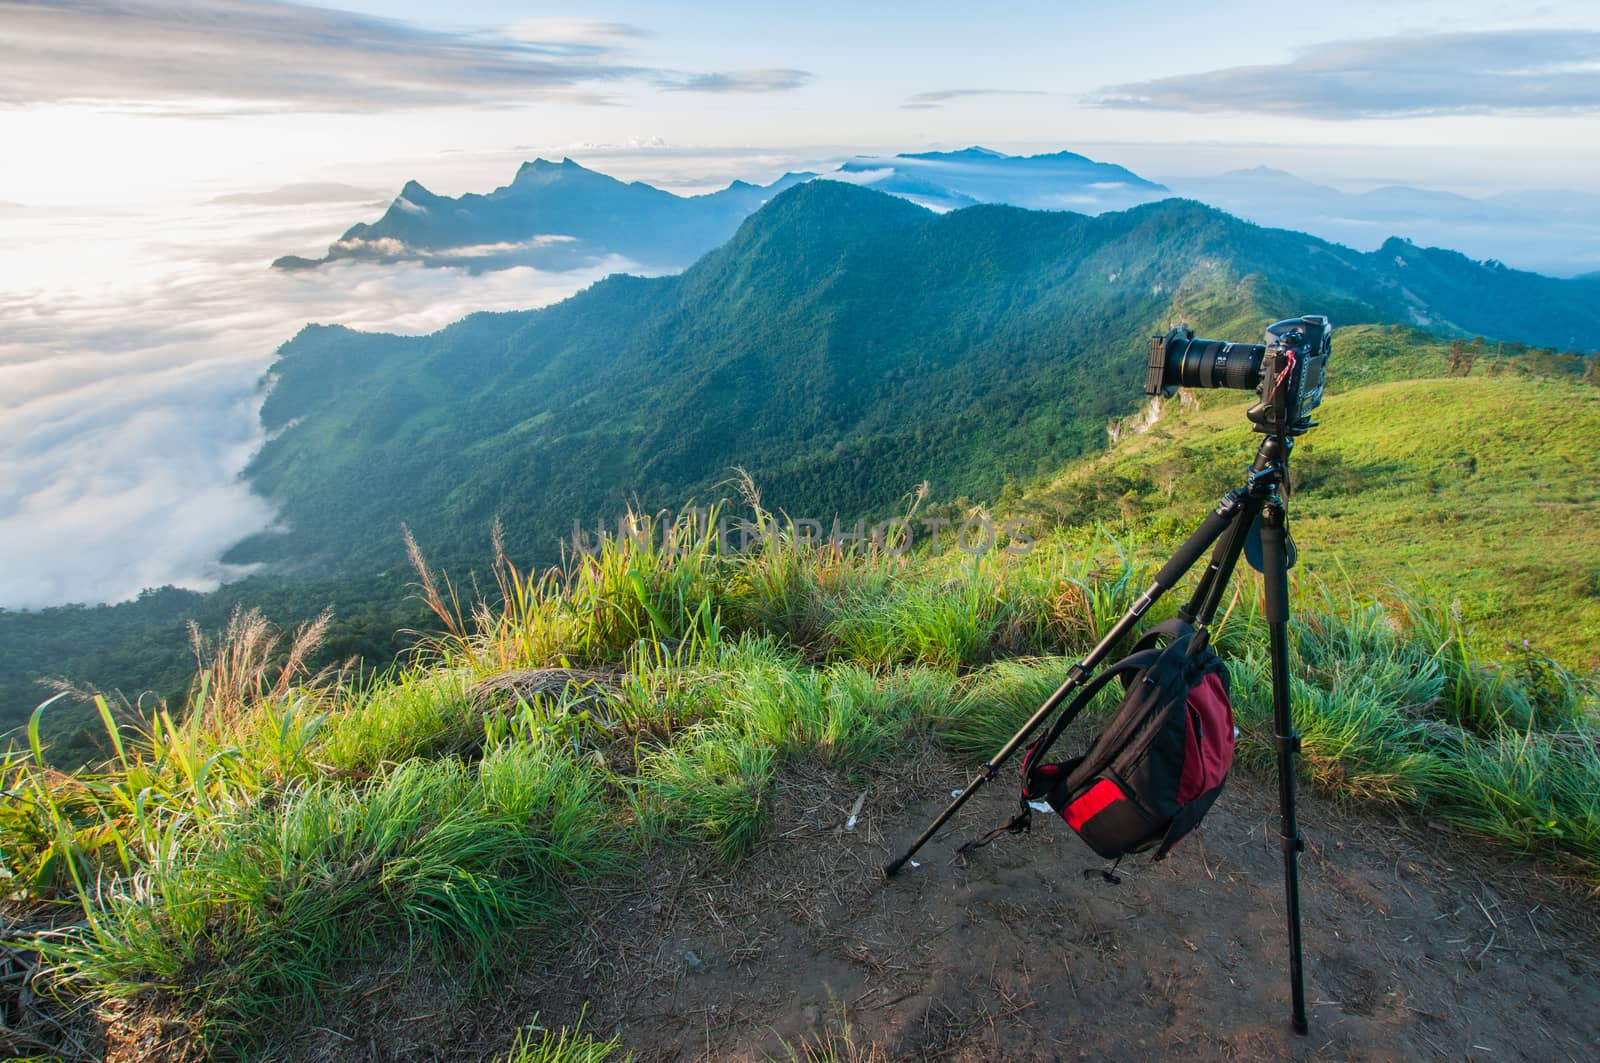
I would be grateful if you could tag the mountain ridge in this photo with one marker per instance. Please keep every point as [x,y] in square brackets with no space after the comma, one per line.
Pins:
[1554,231]
[951,180]
[553,216]
[842,346]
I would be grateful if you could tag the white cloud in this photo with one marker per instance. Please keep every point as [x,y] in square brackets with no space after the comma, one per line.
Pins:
[221,57]
[504,247]
[1540,71]
[581,32]
[927,101]
[771,79]
[129,372]
[302,193]
[388,246]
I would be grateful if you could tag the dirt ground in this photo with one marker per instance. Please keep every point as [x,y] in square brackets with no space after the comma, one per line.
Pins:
[1418,945]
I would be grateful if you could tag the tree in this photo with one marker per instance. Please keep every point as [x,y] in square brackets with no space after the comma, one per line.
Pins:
[1168,473]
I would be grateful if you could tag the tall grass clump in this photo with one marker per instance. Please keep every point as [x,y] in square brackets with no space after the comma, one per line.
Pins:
[263,914]
[1353,742]
[843,715]
[249,723]
[762,707]
[538,1045]
[652,583]
[405,713]
[948,625]
[955,613]
[995,703]
[713,784]
[1398,704]
[1476,694]
[1090,594]
[1534,791]
[788,581]
[869,715]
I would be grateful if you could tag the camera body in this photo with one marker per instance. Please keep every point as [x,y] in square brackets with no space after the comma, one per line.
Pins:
[1287,372]
[1293,372]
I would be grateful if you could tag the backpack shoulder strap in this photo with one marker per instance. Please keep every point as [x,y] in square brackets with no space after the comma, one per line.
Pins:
[1171,630]
[1128,666]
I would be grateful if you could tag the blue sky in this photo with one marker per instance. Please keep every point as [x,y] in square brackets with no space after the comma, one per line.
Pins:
[193,94]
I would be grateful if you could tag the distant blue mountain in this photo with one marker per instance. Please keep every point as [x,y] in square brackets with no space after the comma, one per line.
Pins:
[562,215]
[950,180]
[553,215]
[1555,232]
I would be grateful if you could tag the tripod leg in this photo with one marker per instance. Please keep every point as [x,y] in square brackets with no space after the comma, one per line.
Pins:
[1213,583]
[1217,521]
[1276,574]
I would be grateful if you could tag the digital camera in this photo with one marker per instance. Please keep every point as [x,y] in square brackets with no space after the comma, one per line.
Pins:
[1286,372]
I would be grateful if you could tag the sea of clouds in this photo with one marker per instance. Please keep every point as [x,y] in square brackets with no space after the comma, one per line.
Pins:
[133,343]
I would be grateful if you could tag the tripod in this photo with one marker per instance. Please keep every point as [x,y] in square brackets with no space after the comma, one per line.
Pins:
[1259,502]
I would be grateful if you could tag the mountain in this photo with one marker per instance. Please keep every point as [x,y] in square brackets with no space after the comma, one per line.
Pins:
[950,180]
[551,216]
[844,346]
[1551,231]
[562,215]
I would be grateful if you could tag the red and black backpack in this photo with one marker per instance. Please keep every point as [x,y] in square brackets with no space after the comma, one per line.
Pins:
[1160,761]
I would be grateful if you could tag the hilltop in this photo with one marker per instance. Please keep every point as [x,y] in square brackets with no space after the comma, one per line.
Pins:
[1481,487]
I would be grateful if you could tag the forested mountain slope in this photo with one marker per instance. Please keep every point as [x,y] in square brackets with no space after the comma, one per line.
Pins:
[843,347]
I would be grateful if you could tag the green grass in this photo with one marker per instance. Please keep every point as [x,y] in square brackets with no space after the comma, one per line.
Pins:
[239,855]
[537,1045]
[1424,482]
[401,715]
[259,910]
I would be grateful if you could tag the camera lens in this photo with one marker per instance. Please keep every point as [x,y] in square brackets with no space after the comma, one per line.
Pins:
[1186,362]
[1215,364]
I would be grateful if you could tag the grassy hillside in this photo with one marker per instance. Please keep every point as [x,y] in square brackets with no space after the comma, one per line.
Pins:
[1482,487]
[844,347]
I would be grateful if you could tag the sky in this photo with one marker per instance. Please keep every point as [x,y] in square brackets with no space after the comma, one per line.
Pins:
[162,97]
[154,156]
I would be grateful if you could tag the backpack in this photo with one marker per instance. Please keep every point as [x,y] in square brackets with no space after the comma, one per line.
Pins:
[1158,764]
